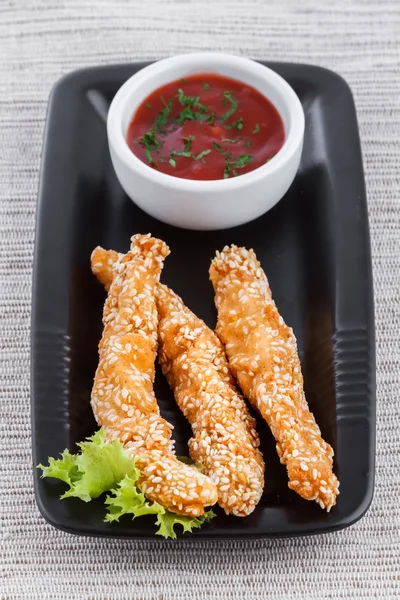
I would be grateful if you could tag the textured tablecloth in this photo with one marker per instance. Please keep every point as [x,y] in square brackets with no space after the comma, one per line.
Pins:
[39,41]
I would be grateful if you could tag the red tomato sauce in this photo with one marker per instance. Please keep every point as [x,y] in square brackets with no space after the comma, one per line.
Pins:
[206,126]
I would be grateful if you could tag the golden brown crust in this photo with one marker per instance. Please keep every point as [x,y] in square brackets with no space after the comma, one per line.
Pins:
[262,353]
[123,399]
[225,442]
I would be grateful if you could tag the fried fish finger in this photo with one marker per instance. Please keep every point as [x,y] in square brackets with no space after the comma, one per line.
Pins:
[123,399]
[262,353]
[225,442]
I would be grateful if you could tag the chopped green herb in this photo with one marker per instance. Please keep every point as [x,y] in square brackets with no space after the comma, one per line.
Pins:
[162,118]
[227,170]
[204,153]
[147,105]
[248,143]
[186,114]
[209,118]
[238,124]
[220,149]
[201,117]
[150,141]
[185,154]
[206,86]
[256,128]
[148,155]
[234,105]
[182,98]
[242,161]
[192,101]
[231,141]
[188,142]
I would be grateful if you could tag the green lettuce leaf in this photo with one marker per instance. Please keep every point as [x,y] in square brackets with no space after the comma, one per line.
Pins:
[64,468]
[106,467]
[97,469]
[168,520]
[127,499]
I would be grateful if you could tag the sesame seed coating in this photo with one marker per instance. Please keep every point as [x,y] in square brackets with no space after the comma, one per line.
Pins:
[262,353]
[123,399]
[225,441]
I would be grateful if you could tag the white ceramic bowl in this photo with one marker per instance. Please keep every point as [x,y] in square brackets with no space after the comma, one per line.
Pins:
[214,204]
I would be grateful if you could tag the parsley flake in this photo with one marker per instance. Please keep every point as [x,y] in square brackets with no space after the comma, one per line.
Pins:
[186,115]
[257,128]
[150,141]
[192,101]
[178,153]
[234,104]
[238,124]
[188,143]
[227,170]
[204,153]
[242,161]
[219,149]
[162,117]
[148,156]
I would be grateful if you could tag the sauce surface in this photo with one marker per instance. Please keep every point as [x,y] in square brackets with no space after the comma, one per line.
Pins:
[206,126]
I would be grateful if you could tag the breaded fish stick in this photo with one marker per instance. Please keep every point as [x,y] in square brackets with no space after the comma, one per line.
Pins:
[123,399]
[262,353]
[225,442]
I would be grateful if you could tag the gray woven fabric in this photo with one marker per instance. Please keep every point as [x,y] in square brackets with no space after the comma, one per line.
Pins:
[39,41]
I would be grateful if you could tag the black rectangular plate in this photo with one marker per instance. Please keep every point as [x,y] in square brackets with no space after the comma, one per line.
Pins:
[314,247]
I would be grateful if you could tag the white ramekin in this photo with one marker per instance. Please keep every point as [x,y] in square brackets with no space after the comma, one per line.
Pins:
[205,204]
